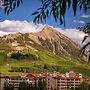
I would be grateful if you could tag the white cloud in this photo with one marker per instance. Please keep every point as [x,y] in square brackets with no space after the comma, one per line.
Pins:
[3,33]
[85,16]
[8,26]
[80,21]
[73,34]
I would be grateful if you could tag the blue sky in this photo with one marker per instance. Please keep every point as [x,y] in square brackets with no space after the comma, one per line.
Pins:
[20,20]
[25,10]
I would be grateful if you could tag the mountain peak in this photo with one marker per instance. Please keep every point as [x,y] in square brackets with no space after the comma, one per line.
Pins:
[48,28]
[47,39]
[48,32]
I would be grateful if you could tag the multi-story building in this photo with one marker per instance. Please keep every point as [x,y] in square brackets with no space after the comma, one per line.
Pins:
[54,81]
[10,81]
[57,81]
[14,81]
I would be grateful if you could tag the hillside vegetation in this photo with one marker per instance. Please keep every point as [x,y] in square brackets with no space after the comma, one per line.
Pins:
[47,50]
[46,61]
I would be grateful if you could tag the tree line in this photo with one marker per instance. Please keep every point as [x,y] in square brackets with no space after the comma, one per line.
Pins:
[20,56]
[40,85]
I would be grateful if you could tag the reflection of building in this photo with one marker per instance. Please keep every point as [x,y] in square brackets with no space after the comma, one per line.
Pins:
[54,81]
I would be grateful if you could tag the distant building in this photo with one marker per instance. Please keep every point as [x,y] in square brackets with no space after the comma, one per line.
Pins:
[16,80]
[54,81]
[57,81]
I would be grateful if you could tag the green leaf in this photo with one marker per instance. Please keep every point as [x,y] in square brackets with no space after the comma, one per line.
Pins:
[8,11]
[47,13]
[82,51]
[84,38]
[18,3]
[5,10]
[21,1]
[37,17]
[69,3]
[5,4]
[74,5]
[44,15]
[63,8]
[54,15]
[41,18]
[5,1]
[39,8]
[14,5]
[35,13]
[84,47]
[61,21]
[45,3]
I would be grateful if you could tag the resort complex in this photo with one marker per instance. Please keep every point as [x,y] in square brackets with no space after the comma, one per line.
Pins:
[51,81]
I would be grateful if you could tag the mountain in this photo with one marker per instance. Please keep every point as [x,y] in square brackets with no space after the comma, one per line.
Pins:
[47,49]
[47,39]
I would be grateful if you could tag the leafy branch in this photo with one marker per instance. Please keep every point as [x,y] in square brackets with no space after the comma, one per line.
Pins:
[58,9]
[10,5]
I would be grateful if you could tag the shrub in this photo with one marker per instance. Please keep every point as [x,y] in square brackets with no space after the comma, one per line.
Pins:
[20,56]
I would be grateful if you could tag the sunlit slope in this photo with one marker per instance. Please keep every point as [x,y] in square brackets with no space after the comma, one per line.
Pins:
[46,50]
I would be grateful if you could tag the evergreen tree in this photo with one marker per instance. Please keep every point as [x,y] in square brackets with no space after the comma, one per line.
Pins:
[7,87]
[35,86]
[40,85]
[23,86]
[83,86]
[30,86]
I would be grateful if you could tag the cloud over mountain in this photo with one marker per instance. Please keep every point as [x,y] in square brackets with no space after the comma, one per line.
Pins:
[8,26]
[12,26]
[73,34]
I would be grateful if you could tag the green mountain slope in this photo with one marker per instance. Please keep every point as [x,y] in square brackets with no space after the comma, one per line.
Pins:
[47,39]
[46,50]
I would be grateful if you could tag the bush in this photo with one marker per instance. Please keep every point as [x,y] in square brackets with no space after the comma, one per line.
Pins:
[19,69]
[20,56]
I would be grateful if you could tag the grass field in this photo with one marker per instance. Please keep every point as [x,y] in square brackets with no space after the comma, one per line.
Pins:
[47,61]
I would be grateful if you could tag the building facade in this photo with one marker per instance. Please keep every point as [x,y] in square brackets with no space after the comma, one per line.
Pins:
[54,81]
[57,81]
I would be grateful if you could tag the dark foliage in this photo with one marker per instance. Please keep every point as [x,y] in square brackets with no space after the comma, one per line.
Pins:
[7,87]
[83,86]
[23,86]
[20,69]
[29,86]
[58,8]
[10,5]
[21,56]
[85,29]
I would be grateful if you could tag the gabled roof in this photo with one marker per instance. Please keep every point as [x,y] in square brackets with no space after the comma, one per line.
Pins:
[30,76]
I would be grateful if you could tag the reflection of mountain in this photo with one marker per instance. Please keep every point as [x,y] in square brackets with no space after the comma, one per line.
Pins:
[46,39]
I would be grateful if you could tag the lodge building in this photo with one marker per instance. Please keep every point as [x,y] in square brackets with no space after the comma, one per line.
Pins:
[66,81]
[54,81]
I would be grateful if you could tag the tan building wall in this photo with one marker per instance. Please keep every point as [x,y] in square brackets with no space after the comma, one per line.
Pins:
[63,81]
[54,81]
[2,81]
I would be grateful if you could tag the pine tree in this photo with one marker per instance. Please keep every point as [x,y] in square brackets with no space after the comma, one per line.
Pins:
[40,85]
[23,86]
